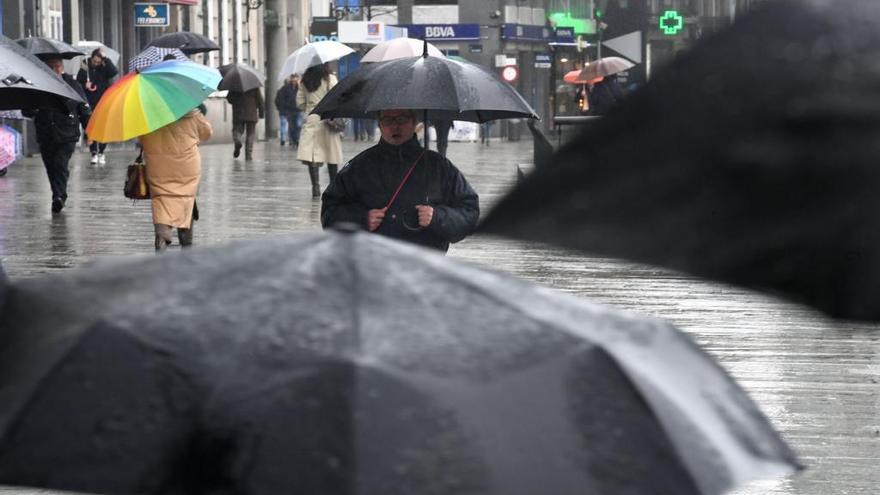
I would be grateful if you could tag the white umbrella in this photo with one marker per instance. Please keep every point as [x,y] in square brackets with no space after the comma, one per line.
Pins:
[604,67]
[312,54]
[72,66]
[399,48]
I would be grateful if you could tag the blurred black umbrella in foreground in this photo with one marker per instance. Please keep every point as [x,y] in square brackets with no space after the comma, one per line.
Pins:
[28,83]
[186,42]
[347,363]
[48,48]
[752,159]
[444,88]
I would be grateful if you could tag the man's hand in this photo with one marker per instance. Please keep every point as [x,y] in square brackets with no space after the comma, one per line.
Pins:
[374,218]
[426,214]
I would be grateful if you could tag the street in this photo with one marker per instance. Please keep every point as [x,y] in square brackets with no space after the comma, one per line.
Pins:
[818,380]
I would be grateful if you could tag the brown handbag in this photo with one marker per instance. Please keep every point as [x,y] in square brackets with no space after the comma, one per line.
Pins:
[136,186]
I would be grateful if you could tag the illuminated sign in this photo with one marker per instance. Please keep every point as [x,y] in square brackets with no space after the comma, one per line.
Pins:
[671,23]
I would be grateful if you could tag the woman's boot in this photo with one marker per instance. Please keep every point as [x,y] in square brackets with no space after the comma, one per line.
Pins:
[331,169]
[163,236]
[316,180]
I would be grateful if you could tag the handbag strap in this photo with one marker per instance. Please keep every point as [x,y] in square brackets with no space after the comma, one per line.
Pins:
[140,157]
[405,178]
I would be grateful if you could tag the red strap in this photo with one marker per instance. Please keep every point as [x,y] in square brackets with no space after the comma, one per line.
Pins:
[405,178]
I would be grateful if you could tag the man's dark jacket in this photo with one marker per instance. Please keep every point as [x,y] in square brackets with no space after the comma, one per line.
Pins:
[101,76]
[54,126]
[247,106]
[369,180]
[285,100]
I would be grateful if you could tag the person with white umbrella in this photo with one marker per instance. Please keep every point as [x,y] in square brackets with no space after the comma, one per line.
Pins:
[318,142]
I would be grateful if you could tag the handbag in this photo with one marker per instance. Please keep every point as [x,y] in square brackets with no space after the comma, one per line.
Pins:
[336,125]
[136,186]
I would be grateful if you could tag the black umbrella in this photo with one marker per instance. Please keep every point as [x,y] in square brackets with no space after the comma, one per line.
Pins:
[445,89]
[348,363]
[48,48]
[751,159]
[240,78]
[186,41]
[28,83]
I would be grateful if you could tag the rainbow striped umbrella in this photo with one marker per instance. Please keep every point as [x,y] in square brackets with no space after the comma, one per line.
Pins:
[144,101]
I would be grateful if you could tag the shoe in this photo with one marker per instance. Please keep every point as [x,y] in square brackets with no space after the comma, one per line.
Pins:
[94,159]
[57,205]
[101,158]
[237,151]
[248,156]
[282,143]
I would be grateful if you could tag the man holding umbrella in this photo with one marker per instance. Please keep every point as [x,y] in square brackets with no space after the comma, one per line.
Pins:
[57,134]
[401,190]
[247,109]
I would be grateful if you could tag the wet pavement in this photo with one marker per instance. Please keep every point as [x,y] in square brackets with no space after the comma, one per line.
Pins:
[818,380]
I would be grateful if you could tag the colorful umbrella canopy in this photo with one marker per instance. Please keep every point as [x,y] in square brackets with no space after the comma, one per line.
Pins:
[399,48]
[8,145]
[312,54]
[574,77]
[142,102]
[152,55]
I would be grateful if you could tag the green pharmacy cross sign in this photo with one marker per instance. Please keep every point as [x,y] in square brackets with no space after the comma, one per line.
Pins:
[671,23]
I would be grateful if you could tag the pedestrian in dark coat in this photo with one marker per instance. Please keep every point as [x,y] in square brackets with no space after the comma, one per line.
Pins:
[288,112]
[95,78]
[247,109]
[435,205]
[57,135]
[604,95]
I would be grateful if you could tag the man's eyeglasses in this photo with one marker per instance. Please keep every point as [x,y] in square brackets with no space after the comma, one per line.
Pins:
[399,120]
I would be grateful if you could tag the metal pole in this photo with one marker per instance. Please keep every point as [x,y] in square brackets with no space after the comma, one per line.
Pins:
[276,52]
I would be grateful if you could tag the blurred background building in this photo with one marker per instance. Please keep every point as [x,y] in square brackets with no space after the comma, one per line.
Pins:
[532,43]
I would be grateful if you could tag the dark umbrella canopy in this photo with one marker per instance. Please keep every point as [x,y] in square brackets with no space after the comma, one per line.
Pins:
[447,89]
[752,159]
[28,83]
[240,78]
[348,363]
[186,41]
[48,48]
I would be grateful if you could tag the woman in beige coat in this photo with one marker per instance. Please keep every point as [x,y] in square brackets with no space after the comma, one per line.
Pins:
[174,167]
[317,143]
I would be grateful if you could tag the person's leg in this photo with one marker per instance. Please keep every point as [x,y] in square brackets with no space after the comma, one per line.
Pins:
[237,130]
[282,119]
[185,236]
[249,140]
[442,127]
[295,129]
[55,159]
[163,236]
[316,179]
[101,148]
[93,148]
[332,168]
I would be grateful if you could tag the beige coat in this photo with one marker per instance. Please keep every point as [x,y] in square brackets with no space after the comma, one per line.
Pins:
[316,143]
[174,167]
